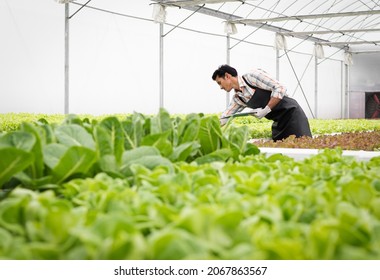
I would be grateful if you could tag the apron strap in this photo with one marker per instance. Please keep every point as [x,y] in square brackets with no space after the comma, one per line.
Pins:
[260,98]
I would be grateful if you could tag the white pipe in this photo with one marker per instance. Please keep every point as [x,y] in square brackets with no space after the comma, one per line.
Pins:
[161,66]
[228,62]
[67,92]
[316,88]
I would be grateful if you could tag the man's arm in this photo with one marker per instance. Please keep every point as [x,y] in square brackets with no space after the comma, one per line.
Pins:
[263,80]
[236,105]
[273,101]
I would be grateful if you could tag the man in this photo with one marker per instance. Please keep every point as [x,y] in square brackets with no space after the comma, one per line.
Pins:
[267,97]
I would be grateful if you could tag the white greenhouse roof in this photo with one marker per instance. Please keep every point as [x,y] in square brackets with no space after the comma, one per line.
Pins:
[350,24]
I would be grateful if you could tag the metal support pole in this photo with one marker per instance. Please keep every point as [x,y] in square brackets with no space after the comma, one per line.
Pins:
[347,91]
[316,87]
[67,92]
[161,66]
[228,54]
[342,96]
[277,64]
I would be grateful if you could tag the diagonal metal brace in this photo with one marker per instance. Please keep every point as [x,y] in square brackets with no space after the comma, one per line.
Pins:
[84,5]
[184,20]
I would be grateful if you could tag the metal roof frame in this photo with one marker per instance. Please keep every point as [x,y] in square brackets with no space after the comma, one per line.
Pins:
[268,23]
[230,17]
[312,16]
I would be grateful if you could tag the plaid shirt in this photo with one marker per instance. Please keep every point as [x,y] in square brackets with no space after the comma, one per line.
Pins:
[258,78]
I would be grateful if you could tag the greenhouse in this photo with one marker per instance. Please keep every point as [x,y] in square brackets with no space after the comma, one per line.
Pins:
[116,142]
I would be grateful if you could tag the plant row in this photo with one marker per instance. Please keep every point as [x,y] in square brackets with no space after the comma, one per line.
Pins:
[42,155]
[257,128]
[326,207]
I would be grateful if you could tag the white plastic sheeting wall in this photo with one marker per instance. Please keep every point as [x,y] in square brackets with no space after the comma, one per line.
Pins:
[330,94]
[113,62]
[31,56]
[364,77]
[365,72]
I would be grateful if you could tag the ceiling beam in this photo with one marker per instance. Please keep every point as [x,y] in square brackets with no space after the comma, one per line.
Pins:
[341,31]
[312,16]
[266,26]
[184,3]
[334,44]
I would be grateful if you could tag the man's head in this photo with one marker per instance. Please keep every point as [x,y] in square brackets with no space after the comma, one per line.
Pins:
[226,77]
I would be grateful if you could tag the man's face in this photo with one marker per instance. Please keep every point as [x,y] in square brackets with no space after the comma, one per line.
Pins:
[224,82]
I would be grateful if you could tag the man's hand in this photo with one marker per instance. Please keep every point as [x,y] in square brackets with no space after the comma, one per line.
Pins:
[261,112]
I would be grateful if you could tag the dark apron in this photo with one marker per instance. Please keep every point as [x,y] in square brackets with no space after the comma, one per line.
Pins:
[288,116]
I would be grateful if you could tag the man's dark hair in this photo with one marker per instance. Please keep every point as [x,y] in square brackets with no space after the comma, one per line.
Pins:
[222,70]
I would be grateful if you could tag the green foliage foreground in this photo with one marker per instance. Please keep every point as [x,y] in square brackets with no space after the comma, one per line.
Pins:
[178,188]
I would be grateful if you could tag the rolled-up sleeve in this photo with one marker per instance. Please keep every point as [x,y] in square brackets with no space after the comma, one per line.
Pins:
[236,105]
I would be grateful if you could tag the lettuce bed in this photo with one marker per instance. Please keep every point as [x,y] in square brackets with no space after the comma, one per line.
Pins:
[362,141]
[257,128]
[160,187]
